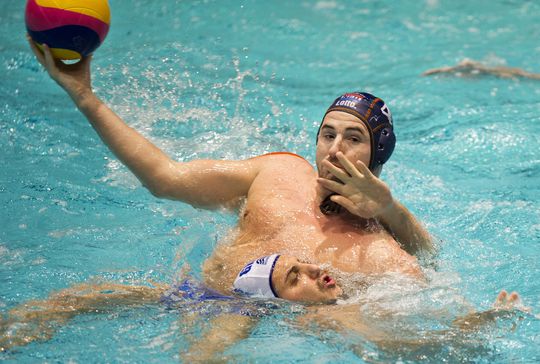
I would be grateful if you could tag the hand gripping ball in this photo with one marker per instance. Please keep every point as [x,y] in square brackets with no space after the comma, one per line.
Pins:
[71,28]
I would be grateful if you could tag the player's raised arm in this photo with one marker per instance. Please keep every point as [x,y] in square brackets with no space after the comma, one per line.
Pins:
[199,183]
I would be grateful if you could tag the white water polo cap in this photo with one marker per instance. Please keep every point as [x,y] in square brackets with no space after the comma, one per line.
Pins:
[255,279]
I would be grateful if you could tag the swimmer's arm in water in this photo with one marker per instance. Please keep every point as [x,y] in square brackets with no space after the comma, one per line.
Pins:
[363,194]
[225,331]
[200,183]
[468,67]
[503,305]
[351,319]
[37,320]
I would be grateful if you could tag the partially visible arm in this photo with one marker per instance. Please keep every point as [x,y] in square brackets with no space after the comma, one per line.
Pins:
[199,183]
[395,338]
[505,304]
[37,320]
[468,67]
[409,232]
[225,331]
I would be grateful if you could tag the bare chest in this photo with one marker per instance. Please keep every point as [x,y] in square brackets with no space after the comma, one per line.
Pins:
[292,226]
[282,216]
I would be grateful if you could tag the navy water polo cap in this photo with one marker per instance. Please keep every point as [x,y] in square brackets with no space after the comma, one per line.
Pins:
[376,116]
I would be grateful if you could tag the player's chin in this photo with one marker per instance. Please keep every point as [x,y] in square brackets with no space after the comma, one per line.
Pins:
[330,300]
[332,295]
[322,301]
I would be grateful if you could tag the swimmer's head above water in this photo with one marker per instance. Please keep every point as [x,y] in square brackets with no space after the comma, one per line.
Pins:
[360,126]
[375,116]
[286,277]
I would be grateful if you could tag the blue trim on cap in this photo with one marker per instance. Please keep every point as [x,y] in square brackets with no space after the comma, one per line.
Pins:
[270,276]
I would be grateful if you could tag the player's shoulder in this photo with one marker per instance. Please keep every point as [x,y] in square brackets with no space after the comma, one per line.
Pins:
[282,158]
[278,162]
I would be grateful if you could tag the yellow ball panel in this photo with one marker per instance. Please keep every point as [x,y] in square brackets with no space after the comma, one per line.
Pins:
[98,9]
[98,14]
[60,53]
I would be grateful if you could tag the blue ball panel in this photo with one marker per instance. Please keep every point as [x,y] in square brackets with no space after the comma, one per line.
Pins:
[73,37]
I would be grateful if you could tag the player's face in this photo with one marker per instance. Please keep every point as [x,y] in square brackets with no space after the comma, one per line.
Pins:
[297,280]
[342,132]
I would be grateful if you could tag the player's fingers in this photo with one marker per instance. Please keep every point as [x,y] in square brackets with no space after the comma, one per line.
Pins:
[331,185]
[500,301]
[348,165]
[344,202]
[337,172]
[363,169]
[513,298]
[39,54]
[50,63]
[85,61]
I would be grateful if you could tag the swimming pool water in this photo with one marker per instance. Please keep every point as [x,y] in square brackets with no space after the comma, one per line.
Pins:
[211,79]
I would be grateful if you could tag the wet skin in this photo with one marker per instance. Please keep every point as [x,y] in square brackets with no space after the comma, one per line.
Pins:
[282,215]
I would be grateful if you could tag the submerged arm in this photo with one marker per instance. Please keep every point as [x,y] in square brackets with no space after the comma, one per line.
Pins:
[469,67]
[396,338]
[504,305]
[199,183]
[37,320]
[225,331]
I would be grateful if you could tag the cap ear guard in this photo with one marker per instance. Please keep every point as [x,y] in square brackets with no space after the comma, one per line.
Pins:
[255,279]
[384,147]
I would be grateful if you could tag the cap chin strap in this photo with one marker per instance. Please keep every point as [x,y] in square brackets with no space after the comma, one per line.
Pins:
[329,207]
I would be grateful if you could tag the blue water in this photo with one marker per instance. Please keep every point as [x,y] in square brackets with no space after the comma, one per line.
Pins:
[214,79]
